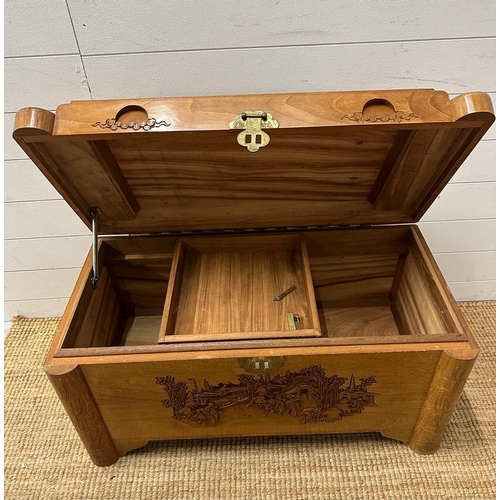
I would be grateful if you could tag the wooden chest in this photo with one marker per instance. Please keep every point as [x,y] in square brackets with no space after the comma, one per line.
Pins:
[257,269]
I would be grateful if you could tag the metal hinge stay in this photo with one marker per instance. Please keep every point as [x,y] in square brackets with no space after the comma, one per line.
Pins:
[94,278]
[260,230]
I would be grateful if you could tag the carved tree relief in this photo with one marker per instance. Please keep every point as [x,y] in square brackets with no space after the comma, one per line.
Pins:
[308,395]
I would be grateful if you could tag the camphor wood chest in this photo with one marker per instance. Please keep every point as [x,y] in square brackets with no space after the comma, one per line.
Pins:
[261,272]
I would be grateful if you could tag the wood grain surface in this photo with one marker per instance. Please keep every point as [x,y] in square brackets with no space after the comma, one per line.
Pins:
[337,158]
[75,394]
[376,321]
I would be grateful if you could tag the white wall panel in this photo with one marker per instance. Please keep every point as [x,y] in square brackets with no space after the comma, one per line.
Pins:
[132,26]
[39,219]
[452,65]
[12,151]
[459,235]
[23,181]
[474,290]
[46,253]
[38,27]
[42,308]
[468,266]
[464,201]
[43,82]
[479,166]
[44,284]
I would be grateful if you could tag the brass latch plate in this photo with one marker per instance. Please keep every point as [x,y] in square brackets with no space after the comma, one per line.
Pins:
[293,321]
[263,364]
[253,137]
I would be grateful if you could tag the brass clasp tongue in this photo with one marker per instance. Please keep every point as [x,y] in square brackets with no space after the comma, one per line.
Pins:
[294,321]
[262,364]
[253,137]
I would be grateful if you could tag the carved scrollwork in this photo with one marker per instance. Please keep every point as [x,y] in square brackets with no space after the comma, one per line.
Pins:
[397,116]
[308,395]
[113,124]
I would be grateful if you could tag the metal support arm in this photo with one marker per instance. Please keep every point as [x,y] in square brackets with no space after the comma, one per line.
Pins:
[95,233]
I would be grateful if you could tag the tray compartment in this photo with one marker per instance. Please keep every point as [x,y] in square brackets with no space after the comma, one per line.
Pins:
[126,308]
[97,316]
[377,283]
[224,288]
[419,304]
[353,273]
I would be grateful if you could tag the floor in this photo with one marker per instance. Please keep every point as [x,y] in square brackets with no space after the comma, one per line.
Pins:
[44,458]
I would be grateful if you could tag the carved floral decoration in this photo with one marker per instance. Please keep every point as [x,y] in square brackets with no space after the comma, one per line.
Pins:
[308,395]
[397,116]
[113,124]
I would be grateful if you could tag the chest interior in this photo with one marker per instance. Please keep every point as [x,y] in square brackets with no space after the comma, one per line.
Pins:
[373,282]
[246,213]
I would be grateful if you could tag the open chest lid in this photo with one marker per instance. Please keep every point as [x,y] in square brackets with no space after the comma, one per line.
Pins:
[254,161]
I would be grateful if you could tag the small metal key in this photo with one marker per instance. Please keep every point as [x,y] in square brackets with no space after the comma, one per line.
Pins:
[285,293]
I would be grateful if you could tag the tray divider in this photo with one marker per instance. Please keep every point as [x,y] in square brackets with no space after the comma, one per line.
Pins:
[310,295]
[173,293]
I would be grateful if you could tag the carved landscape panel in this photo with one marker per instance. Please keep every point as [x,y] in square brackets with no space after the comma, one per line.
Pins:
[308,395]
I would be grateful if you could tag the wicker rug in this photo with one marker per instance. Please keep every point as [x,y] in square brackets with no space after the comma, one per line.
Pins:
[45,460]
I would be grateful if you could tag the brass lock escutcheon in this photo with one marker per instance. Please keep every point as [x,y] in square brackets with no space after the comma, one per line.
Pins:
[253,137]
[261,364]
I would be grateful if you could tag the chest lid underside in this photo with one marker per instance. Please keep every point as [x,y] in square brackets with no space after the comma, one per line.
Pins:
[254,161]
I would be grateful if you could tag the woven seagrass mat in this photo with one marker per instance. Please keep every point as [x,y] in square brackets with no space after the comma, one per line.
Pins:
[44,458]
